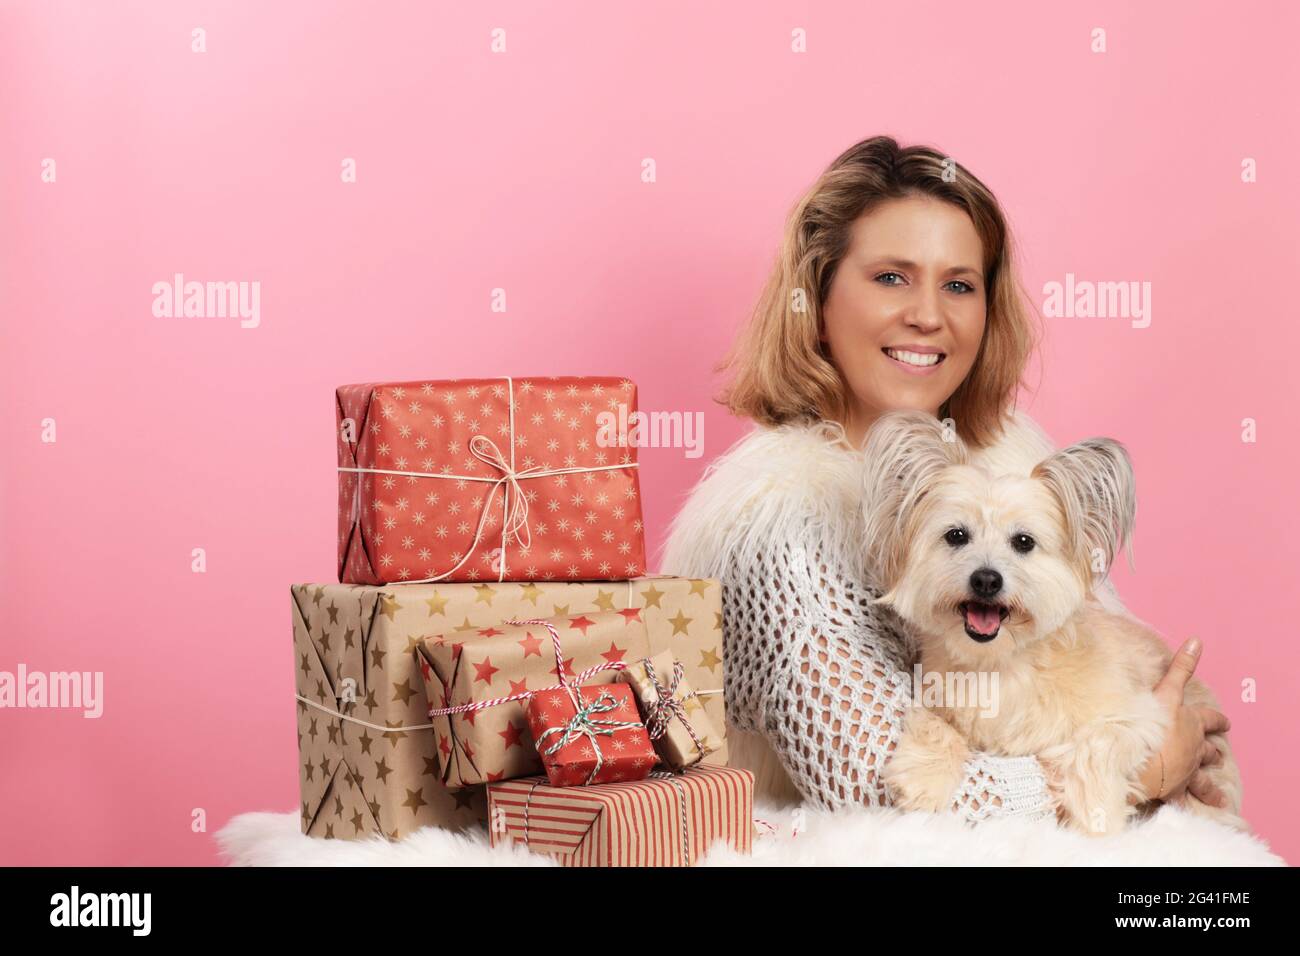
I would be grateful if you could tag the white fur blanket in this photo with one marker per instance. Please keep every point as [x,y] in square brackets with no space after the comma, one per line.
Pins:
[868,837]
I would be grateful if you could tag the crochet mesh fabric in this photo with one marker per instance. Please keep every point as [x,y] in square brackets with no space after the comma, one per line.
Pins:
[825,676]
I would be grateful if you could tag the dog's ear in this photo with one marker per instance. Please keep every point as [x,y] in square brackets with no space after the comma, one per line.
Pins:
[902,455]
[1094,483]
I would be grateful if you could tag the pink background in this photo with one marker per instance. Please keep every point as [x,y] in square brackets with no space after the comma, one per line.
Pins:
[522,171]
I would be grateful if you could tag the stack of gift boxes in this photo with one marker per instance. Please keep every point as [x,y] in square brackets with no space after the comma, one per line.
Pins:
[495,654]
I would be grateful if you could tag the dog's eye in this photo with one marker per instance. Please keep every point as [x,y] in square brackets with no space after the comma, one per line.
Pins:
[1022,543]
[957,537]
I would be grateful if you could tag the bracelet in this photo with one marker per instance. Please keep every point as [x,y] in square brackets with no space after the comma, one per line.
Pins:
[1160,792]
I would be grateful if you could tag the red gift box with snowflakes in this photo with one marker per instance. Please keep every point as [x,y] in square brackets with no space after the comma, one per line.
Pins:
[505,479]
[590,735]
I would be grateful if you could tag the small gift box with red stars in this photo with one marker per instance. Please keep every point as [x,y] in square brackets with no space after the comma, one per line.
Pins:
[496,479]
[589,735]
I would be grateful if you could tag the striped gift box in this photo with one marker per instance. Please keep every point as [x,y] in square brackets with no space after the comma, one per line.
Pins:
[639,823]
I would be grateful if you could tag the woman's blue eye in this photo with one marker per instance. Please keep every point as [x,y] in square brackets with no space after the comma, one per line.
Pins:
[885,278]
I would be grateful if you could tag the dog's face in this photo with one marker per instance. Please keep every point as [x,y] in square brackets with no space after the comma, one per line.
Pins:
[987,559]
[988,564]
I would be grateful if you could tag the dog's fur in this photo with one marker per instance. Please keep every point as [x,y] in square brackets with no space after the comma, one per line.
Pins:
[1074,680]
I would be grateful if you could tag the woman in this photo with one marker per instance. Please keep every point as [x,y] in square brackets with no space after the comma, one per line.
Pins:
[894,289]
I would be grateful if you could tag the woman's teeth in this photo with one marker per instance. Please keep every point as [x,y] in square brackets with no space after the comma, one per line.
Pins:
[914,358]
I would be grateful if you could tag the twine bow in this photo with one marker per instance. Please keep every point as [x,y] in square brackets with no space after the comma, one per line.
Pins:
[660,713]
[514,524]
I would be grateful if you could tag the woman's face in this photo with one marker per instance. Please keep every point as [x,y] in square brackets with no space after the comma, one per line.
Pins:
[905,314]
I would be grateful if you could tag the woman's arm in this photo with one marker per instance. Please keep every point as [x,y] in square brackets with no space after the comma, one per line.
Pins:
[824,674]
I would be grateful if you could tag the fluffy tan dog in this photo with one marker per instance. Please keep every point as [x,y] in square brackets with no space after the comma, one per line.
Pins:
[995,574]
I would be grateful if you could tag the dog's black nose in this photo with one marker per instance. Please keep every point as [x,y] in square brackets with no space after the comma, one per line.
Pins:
[985,583]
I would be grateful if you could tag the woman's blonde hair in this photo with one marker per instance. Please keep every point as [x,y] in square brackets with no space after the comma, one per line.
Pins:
[780,369]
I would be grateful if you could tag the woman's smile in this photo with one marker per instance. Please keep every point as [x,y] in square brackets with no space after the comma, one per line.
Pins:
[915,359]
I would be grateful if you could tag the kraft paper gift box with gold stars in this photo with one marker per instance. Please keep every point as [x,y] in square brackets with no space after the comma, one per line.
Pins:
[496,479]
[365,766]
[485,672]
[369,757]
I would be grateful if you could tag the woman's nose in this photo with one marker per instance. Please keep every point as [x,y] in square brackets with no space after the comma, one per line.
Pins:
[926,313]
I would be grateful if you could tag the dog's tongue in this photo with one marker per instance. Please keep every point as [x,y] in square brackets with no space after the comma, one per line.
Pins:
[983,618]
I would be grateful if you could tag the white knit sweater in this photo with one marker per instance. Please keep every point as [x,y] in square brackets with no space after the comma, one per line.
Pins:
[818,679]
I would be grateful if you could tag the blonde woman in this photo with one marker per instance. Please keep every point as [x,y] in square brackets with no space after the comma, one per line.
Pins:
[894,289]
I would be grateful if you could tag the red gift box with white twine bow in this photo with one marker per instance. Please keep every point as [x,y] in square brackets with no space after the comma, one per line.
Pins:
[493,479]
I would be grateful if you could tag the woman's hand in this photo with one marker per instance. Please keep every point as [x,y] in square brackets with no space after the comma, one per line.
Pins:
[1175,770]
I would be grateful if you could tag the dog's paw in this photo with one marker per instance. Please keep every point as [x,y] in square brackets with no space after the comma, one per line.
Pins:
[926,767]
[1094,780]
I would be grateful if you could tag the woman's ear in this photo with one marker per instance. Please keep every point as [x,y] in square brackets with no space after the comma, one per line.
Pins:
[1094,482]
[903,454]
